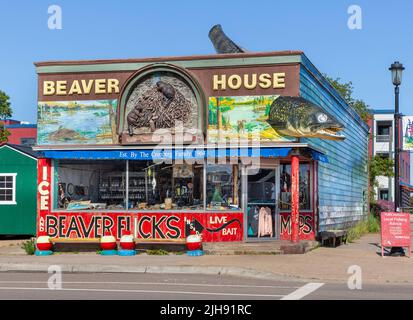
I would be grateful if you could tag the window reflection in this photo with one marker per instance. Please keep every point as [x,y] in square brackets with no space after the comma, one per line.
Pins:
[165,187]
[304,187]
[91,185]
[222,187]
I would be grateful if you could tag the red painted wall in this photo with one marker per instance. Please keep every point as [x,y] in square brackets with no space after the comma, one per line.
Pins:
[19,130]
[213,226]
[17,133]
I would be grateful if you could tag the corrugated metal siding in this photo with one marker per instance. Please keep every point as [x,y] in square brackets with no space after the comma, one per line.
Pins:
[342,181]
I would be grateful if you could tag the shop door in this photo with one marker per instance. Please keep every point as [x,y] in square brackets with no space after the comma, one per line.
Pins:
[262,215]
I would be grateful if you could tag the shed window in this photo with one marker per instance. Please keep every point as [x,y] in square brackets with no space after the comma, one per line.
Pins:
[30,142]
[7,188]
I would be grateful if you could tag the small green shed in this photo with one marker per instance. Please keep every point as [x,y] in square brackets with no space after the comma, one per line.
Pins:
[18,183]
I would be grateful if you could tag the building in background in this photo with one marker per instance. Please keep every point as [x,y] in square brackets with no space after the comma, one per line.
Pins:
[18,185]
[21,132]
[382,144]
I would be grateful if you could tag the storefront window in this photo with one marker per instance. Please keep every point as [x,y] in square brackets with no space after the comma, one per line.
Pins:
[304,187]
[223,187]
[90,185]
[144,185]
[165,187]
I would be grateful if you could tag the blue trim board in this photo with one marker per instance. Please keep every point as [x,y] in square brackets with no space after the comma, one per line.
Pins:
[382,111]
[162,154]
[20,126]
[154,154]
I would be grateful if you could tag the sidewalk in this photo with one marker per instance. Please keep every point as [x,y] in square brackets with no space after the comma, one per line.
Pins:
[322,264]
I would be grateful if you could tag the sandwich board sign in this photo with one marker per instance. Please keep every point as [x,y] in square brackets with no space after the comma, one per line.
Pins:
[395,230]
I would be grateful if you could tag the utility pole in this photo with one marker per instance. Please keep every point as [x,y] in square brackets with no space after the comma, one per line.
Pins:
[396,151]
[391,156]
[396,72]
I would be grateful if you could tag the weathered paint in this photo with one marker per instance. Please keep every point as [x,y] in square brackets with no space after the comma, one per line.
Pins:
[306,226]
[295,201]
[19,218]
[212,226]
[343,182]
[44,190]
[210,61]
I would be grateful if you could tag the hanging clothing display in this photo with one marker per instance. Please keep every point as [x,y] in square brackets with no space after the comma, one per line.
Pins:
[265,225]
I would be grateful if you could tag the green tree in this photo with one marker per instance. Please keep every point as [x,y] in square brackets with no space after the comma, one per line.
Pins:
[346,91]
[379,166]
[5,112]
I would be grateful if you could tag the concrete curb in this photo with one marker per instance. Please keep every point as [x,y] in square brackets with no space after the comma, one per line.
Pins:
[155,269]
[93,268]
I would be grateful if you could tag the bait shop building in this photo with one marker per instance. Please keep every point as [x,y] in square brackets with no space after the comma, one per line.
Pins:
[234,147]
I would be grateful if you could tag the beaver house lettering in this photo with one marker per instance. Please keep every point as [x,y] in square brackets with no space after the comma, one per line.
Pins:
[249,81]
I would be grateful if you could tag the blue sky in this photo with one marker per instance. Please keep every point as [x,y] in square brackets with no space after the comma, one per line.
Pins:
[128,29]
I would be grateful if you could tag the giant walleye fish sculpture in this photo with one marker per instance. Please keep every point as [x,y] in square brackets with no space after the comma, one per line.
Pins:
[297,117]
[289,116]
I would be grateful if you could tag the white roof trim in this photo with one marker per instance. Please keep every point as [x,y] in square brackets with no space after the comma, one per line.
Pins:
[25,154]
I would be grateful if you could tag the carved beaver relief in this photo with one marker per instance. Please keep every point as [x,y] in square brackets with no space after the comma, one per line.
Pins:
[159,107]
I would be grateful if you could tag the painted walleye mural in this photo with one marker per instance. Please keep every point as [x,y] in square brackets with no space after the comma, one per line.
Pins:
[269,118]
[254,116]
[242,118]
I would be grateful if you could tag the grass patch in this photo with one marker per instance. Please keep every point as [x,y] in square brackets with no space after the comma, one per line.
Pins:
[29,246]
[157,252]
[370,225]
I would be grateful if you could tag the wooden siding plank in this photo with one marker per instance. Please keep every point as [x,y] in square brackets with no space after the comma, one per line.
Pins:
[341,182]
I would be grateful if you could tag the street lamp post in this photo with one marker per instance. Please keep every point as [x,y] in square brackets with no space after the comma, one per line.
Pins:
[396,75]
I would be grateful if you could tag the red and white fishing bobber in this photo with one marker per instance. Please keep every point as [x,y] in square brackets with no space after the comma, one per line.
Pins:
[127,245]
[44,246]
[108,243]
[127,242]
[43,243]
[194,242]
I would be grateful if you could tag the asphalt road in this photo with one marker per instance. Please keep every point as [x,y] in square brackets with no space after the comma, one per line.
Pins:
[114,286]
